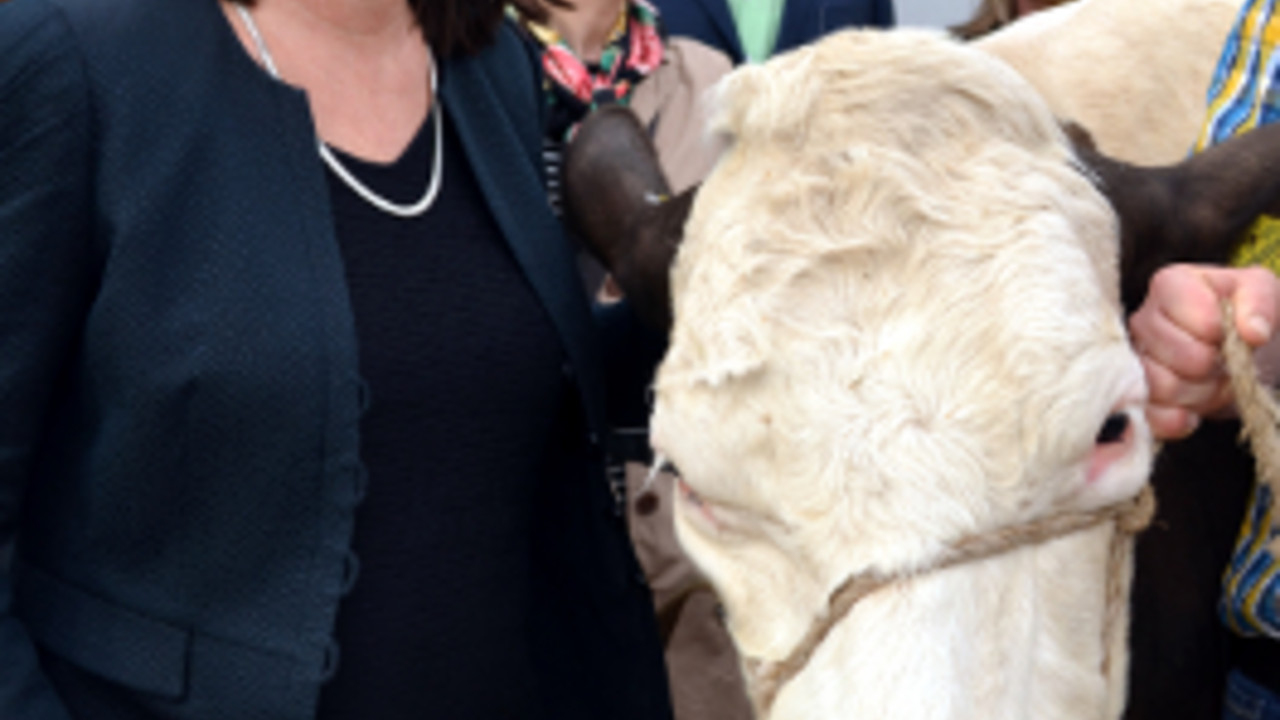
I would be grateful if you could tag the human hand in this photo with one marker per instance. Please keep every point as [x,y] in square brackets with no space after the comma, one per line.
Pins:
[1178,335]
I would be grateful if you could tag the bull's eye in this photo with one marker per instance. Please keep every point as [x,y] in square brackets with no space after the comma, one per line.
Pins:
[1113,429]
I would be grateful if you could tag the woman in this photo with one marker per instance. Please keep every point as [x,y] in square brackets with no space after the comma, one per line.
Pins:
[616,52]
[602,52]
[605,52]
[302,397]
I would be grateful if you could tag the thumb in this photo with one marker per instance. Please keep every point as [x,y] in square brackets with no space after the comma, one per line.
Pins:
[1254,293]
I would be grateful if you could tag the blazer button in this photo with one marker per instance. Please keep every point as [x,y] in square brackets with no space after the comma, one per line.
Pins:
[359,483]
[364,395]
[647,504]
[350,572]
[329,665]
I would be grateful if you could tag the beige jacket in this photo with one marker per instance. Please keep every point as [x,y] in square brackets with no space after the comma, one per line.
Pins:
[702,665]
[672,102]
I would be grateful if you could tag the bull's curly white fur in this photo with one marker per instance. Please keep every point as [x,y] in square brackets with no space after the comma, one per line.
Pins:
[896,324]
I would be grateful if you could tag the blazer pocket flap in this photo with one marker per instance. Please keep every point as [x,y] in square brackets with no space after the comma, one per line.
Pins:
[101,637]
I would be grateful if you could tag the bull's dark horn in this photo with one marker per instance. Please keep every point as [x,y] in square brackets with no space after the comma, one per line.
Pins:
[618,200]
[1194,211]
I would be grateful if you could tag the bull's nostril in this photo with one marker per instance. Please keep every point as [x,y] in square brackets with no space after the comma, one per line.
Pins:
[1113,429]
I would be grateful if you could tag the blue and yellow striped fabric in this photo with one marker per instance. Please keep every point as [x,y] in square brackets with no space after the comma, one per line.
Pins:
[1249,599]
[1243,95]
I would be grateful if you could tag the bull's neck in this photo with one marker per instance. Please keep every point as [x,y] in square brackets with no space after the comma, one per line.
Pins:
[1019,635]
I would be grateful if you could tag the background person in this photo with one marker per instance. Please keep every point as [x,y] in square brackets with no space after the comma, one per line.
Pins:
[617,52]
[754,30]
[1178,332]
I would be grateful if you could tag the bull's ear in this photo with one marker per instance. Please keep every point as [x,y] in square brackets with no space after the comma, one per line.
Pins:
[618,200]
[1195,211]
[610,170]
[644,273]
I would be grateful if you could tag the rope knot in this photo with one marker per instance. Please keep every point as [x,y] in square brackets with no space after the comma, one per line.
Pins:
[1139,515]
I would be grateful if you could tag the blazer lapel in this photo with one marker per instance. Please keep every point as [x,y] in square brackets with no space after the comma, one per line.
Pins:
[514,193]
[797,22]
[722,17]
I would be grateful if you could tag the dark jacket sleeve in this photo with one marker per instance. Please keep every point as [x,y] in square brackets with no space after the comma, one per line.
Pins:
[885,17]
[632,352]
[44,269]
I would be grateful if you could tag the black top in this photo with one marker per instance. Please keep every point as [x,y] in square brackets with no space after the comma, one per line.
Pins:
[465,382]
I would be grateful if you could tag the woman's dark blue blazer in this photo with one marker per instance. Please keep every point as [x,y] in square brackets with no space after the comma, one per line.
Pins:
[711,21]
[179,391]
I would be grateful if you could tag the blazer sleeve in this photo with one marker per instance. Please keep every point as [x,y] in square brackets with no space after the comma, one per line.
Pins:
[631,353]
[44,269]
[885,16]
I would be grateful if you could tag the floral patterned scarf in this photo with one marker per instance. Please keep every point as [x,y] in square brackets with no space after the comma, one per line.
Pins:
[574,88]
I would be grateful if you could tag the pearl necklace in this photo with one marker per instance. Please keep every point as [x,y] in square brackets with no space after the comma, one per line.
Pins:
[359,188]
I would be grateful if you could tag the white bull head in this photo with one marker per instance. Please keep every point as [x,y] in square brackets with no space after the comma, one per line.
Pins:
[896,326]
